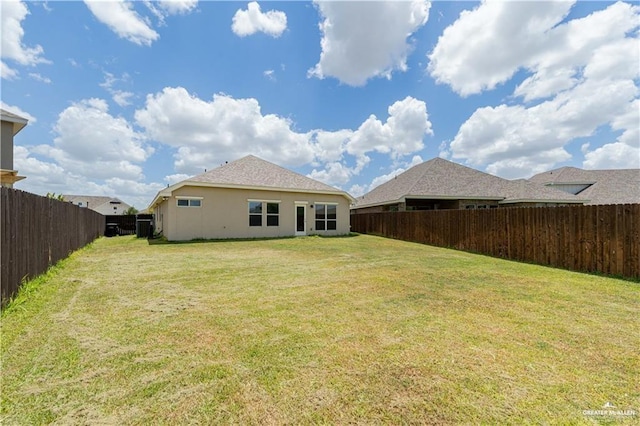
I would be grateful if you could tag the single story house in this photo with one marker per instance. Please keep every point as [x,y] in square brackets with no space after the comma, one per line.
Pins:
[103,205]
[618,186]
[11,124]
[250,198]
[439,184]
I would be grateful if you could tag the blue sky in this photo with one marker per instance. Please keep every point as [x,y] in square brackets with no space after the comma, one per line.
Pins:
[125,97]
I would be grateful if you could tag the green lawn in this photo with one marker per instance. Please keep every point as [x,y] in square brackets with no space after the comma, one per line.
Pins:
[358,329]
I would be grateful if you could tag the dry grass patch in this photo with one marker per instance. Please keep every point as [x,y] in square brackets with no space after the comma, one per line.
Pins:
[316,330]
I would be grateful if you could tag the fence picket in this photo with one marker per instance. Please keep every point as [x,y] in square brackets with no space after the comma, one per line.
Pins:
[604,239]
[36,233]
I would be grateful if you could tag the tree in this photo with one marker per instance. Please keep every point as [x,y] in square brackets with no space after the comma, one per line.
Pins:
[131,210]
[53,195]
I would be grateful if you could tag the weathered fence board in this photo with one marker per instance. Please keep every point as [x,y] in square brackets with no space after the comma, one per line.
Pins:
[602,238]
[37,232]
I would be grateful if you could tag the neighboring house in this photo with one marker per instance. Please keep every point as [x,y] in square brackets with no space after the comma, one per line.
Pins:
[439,184]
[103,205]
[11,125]
[250,198]
[621,186]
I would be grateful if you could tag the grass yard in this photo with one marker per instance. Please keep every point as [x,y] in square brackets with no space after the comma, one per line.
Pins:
[313,330]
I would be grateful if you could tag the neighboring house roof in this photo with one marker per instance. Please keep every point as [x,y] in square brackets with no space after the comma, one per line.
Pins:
[18,122]
[94,202]
[251,172]
[442,179]
[621,186]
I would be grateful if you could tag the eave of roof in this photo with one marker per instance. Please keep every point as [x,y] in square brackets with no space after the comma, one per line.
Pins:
[168,192]
[577,182]
[541,200]
[429,197]
[19,123]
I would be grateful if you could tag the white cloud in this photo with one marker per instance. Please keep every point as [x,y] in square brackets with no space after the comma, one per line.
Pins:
[252,20]
[133,192]
[330,146]
[207,133]
[584,71]
[526,35]
[625,151]
[401,134]
[358,190]
[386,177]
[11,48]
[40,78]
[175,178]
[120,17]
[615,155]
[546,83]
[92,143]
[177,7]
[163,8]
[333,174]
[7,72]
[44,177]
[512,140]
[269,74]
[120,97]
[487,45]
[362,40]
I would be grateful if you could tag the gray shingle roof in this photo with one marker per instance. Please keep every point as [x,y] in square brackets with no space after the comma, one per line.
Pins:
[251,171]
[442,179]
[621,186]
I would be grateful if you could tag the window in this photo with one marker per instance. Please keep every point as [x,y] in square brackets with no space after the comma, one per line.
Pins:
[189,202]
[264,212]
[273,210]
[326,217]
[255,213]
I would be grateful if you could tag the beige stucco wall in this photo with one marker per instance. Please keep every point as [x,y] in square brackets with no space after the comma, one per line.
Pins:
[224,213]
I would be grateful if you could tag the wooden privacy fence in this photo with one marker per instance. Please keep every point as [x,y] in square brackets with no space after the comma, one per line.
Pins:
[603,239]
[130,224]
[37,232]
[125,224]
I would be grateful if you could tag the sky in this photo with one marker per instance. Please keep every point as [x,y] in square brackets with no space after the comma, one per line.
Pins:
[124,98]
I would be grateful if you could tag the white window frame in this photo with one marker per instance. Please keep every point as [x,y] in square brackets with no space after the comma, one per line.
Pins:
[191,201]
[264,213]
[326,219]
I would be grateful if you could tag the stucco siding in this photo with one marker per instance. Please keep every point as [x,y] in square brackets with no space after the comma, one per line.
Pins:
[224,213]
[6,147]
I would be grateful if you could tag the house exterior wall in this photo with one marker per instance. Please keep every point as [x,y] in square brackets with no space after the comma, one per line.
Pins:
[6,149]
[224,213]
[112,209]
[374,209]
